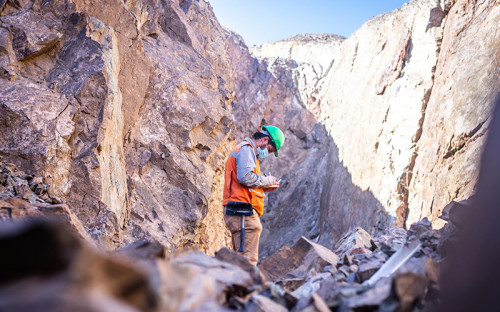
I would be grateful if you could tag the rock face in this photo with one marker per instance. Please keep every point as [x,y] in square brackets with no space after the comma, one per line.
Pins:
[62,273]
[129,109]
[314,55]
[416,141]
[381,88]
[267,92]
[123,108]
[458,113]
[405,115]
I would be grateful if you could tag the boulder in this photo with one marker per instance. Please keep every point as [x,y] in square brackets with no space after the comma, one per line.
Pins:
[371,297]
[230,256]
[369,266]
[258,303]
[296,261]
[456,212]
[47,268]
[200,280]
[410,289]
[311,286]
[279,295]
[357,238]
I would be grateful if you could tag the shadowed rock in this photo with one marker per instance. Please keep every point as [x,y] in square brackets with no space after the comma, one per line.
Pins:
[144,250]
[46,268]
[296,261]
[19,199]
[230,256]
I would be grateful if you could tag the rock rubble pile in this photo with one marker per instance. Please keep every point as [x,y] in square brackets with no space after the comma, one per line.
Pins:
[62,271]
[28,187]
[25,195]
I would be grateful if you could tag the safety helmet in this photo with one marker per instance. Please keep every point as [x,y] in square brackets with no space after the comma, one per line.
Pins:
[277,137]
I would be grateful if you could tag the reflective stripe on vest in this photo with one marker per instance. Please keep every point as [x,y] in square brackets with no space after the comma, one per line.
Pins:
[257,191]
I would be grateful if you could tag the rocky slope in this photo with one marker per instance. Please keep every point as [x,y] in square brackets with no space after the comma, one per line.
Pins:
[124,110]
[49,265]
[405,112]
[269,92]
[403,145]
[144,276]
[128,110]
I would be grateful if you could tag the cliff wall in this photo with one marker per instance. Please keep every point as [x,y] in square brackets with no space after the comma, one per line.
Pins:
[124,109]
[406,101]
[129,109]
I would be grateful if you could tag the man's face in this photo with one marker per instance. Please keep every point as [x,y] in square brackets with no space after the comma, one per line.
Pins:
[267,142]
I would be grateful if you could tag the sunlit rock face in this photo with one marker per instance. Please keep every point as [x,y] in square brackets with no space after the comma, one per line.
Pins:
[124,109]
[313,56]
[406,101]
[375,97]
[426,94]
[458,113]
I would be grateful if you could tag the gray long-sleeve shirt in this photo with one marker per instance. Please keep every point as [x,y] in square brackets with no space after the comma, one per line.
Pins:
[245,165]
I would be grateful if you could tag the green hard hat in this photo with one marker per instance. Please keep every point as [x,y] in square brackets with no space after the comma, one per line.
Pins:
[277,136]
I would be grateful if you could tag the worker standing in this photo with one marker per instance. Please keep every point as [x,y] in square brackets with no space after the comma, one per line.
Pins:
[244,188]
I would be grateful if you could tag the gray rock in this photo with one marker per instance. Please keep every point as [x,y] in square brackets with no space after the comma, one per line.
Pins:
[230,256]
[258,303]
[357,238]
[369,266]
[371,297]
[280,295]
[305,292]
[456,212]
[298,260]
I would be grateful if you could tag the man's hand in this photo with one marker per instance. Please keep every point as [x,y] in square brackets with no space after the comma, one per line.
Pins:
[269,181]
[270,189]
[273,185]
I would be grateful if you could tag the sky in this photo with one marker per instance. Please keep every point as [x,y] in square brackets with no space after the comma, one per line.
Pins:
[260,21]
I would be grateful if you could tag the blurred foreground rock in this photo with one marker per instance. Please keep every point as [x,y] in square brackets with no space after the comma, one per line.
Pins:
[46,268]
[45,265]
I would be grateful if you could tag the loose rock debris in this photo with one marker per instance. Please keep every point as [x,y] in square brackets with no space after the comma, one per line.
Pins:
[63,271]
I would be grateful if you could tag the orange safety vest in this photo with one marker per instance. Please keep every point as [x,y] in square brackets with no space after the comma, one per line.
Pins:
[234,191]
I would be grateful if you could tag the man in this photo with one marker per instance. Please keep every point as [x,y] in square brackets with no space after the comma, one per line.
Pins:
[245,185]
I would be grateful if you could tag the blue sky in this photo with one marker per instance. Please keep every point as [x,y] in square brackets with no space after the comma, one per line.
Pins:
[260,21]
